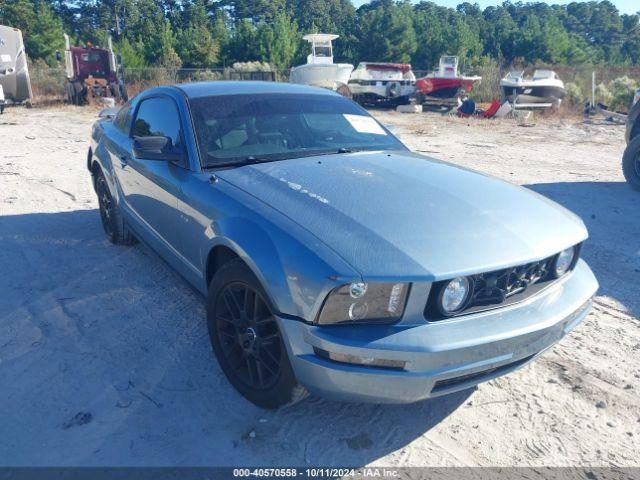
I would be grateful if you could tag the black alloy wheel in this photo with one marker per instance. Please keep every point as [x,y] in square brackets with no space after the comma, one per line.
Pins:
[246,338]
[106,205]
[249,336]
[114,225]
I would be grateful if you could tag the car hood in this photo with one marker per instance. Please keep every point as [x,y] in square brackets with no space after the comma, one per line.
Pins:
[401,215]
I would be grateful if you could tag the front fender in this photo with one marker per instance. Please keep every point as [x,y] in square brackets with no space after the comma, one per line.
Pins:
[98,154]
[295,269]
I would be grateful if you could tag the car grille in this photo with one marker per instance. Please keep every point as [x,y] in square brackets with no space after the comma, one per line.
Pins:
[500,287]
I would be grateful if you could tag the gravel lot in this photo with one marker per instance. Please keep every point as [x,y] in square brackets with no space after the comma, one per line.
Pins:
[105,360]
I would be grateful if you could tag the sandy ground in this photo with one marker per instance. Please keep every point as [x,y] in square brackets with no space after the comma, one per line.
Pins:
[105,360]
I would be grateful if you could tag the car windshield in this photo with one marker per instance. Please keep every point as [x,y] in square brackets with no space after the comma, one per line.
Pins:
[266,127]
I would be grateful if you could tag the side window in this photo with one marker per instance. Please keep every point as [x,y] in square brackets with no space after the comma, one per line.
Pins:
[123,119]
[158,117]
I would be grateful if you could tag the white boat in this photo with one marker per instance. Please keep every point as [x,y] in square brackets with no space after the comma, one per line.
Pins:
[382,83]
[320,71]
[543,89]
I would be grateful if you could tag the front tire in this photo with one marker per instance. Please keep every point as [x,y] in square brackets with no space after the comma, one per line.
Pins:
[113,224]
[631,163]
[114,91]
[70,94]
[79,93]
[246,338]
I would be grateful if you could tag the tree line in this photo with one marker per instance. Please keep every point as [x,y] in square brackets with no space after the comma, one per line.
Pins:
[215,33]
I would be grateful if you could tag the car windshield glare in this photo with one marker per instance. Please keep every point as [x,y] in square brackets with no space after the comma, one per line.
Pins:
[265,127]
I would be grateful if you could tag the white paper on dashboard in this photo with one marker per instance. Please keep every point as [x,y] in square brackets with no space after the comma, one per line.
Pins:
[364,124]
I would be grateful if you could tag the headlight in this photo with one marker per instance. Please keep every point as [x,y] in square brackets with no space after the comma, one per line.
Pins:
[454,295]
[564,261]
[364,302]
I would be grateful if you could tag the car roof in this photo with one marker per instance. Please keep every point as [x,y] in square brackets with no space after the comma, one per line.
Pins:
[206,89]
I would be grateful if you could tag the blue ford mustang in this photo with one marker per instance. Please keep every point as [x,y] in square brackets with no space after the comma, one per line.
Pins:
[334,260]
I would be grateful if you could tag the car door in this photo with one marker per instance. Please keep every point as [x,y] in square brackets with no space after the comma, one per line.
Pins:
[150,186]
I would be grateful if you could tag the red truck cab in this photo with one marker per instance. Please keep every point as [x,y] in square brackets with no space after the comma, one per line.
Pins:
[92,71]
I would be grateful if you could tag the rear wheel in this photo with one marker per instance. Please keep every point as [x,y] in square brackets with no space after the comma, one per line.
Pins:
[112,221]
[70,94]
[246,338]
[79,93]
[114,91]
[631,163]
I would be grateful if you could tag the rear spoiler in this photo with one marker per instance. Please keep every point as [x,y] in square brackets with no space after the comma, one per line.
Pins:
[109,113]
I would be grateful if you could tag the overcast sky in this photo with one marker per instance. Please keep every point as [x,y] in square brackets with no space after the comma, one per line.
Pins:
[625,6]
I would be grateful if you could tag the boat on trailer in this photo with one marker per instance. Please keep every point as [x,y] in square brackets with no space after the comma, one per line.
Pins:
[320,71]
[446,82]
[384,84]
[542,90]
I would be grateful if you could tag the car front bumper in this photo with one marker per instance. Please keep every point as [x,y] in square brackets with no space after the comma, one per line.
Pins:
[440,357]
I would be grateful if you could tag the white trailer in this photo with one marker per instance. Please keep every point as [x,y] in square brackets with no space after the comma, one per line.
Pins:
[15,83]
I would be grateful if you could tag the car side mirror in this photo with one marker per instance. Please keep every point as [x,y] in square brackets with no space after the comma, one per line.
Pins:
[157,148]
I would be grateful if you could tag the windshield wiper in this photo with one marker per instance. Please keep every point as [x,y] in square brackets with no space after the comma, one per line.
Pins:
[340,150]
[250,160]
[356,149]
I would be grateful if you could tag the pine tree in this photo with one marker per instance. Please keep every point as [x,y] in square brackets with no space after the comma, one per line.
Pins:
[278,42]
[197,47]
[46,36]
[132,53]
[387,32]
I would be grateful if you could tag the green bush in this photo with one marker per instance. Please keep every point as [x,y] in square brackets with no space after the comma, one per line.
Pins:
[603,95]
[622,91]
[574,95]
[205,75]
[251,67]
[47,81]
[489,87]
